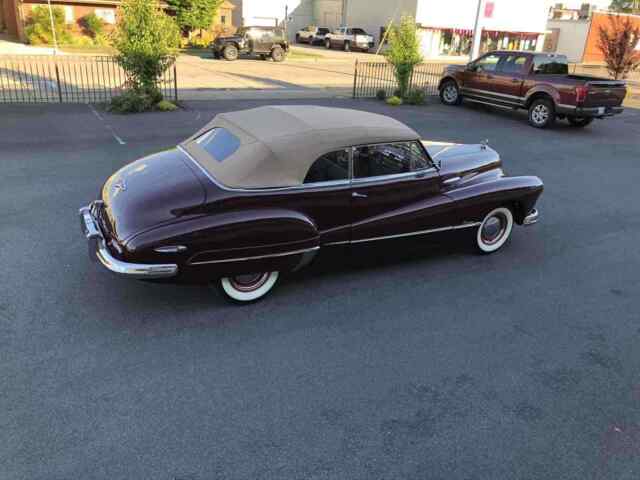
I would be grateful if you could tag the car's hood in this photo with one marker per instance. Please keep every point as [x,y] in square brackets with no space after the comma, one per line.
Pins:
[150,192]
[460,160]
[235,38]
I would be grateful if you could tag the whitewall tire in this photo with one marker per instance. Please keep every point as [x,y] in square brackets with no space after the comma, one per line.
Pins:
[495,230]
[248,288]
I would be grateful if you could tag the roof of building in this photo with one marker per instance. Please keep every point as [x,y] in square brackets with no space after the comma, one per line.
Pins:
[278,144]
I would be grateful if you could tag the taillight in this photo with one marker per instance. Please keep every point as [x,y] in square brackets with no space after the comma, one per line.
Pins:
[581,94]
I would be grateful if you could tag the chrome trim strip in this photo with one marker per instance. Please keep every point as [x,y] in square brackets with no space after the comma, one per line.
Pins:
[170,249]
[469,99]
[570,107]
[131,270]
[410,234]
[257,257]
[417,174]
[490,93]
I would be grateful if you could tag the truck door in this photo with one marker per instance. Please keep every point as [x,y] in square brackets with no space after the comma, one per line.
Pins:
[506,82]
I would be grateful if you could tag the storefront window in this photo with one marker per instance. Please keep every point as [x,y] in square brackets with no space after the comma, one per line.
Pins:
[455,42]
[492,40]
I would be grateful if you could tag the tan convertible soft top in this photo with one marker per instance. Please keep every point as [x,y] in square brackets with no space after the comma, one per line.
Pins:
[278,144]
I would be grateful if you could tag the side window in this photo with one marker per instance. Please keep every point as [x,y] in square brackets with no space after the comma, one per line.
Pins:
[379,160]
[329,167]
[556,65]
[488,63]
[513,64]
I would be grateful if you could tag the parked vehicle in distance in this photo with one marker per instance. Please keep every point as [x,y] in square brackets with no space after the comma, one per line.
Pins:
[260,192]
[348,38]
[312,35]
[261,41]
[538,82]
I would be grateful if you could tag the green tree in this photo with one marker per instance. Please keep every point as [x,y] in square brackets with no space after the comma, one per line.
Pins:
[195,14]
[625,6]
[146,40]
[618,42]
[38,29]
[404,52]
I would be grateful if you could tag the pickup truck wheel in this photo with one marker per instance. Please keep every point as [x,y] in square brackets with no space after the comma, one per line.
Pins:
[542,113]
[580,121]
[248,288]
[230,53]
[277,54]
[495,230]
[297,38]
[347,46]
[450,93]
[327,44]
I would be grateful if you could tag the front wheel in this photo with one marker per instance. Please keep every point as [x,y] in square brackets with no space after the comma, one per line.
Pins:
[230,53]
[495,230]
[580,121]
[277,54]
[327,44]
[346,47]
[450,93]
[542,113]
[248,288]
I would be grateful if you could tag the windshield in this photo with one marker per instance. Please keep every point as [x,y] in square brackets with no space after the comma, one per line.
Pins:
[358,31]
[323,30]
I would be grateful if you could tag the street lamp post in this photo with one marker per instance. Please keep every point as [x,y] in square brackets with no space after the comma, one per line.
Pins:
[477,33]
[53,29]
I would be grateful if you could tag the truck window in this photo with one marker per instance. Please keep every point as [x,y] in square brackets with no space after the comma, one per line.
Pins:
[358,31]
[513,64]
[550,65]
[488,63]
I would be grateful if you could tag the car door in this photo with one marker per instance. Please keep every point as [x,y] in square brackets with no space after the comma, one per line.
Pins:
[337,39]
[395,192]
[478,75]
[506,84]
[263,40]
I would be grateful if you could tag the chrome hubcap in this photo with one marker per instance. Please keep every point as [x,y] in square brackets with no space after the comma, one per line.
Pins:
[540,114]
[450,93]
[250,282]
[493,229]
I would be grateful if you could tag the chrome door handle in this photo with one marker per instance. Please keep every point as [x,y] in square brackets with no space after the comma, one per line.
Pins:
[358,195]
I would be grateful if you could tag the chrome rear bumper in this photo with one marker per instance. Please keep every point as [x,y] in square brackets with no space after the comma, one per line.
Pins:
[98,251]
[531,218]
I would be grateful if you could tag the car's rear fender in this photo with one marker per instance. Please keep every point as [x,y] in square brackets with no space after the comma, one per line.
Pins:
[518,193]
[542,91]
[233,242]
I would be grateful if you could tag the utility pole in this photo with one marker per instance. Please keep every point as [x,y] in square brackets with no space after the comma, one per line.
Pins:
[53,29]
[477,34]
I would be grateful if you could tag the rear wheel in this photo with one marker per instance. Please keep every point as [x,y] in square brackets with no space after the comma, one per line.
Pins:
[347,46]
[580,121]
[230,53]
[450,93]
[277,54]
[542,113]
[495,230]
[248,288]
[327,44]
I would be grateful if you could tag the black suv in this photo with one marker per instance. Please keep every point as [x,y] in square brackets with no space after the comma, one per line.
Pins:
[262,41]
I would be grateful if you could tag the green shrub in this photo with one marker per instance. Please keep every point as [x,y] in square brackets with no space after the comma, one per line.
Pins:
[415,97]
[93,25]
[146,39]
[404,52]
[166,106]
[381,94]
[394,101]
[38,28]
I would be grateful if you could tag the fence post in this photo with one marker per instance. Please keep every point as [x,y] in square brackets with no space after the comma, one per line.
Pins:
[175,81]
[58,81]
[355,79]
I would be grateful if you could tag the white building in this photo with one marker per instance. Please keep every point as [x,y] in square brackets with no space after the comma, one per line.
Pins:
[267,12]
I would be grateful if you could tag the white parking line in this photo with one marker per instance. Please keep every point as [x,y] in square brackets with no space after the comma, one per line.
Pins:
[107,126]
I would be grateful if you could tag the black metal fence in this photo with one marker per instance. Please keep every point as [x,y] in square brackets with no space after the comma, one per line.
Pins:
[371,77]
[68,79]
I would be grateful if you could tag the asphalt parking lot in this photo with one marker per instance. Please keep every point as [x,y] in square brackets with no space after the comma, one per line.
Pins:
[441,364]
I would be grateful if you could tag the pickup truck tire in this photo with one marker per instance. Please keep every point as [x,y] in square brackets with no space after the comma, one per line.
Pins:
[542,113]
[346,47]
[327,44]
[230,53]
[298,38]
[580,121]
[450,93]
[277,54]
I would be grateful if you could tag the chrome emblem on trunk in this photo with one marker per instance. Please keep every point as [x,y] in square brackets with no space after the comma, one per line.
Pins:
[119,186]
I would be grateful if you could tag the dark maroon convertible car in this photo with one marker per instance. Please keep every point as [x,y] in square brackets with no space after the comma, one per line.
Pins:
[259,192]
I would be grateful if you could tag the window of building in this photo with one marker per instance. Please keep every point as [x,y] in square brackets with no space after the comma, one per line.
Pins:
[223,19]
[107,15]
[69,16]
[330,167]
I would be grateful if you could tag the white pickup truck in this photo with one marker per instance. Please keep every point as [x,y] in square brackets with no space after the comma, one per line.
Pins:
[311,35]
[348,38]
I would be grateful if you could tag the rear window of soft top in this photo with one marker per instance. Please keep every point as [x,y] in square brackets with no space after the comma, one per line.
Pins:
[219,142]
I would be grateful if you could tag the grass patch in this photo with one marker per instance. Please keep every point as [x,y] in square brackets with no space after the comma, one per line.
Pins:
[302,55]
